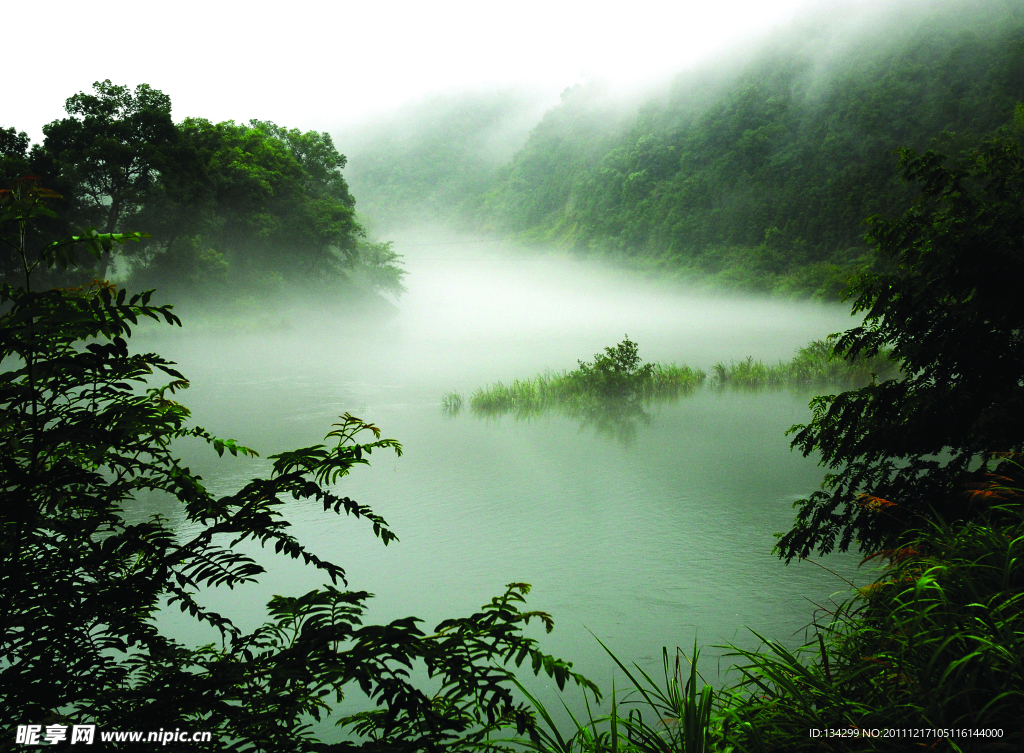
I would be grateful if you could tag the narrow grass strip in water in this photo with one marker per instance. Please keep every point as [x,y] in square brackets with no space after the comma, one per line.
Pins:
[816,365]
[572,389]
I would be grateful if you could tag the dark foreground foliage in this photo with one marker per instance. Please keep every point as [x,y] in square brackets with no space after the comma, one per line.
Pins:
[935,643]
[84,437]
[949,311]
[928,657]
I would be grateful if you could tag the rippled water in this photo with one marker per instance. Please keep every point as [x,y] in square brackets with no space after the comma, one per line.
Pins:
[644,543]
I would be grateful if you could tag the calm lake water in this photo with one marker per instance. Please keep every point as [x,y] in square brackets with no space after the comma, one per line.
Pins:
[648,541]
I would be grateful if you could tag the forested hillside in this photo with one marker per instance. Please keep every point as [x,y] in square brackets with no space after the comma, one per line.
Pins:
[754,172]
[763,181]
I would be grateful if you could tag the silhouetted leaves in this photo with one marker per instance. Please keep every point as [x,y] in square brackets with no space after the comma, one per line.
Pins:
[83,437]
[950,312]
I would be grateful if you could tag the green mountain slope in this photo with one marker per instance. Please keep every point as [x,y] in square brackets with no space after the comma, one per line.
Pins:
[761,178]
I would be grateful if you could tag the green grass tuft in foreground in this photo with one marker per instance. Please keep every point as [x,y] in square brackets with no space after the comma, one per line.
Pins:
[935,643]
[928,657]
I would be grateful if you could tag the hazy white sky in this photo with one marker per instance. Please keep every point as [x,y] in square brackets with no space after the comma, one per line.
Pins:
[324,64]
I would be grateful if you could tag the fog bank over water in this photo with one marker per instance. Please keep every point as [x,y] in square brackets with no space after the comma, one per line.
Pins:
[478,311]
[550,311]
[653,542]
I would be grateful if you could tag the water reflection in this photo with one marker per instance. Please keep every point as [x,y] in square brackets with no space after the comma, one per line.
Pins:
[618,419]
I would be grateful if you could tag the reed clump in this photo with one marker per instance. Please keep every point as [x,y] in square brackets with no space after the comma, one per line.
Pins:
[451,403]
[618,376]
[615,376]
[818,364]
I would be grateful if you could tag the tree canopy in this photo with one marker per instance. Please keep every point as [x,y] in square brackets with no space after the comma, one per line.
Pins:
[949,307]
[254,199]
[247,206]
[111,149]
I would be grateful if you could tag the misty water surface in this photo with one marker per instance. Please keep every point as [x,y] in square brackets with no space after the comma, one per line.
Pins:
[648,543]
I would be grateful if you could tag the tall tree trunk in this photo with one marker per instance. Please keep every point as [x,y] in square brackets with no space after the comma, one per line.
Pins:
[115,210]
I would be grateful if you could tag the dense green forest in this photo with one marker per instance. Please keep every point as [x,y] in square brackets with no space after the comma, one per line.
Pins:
[754,174]
[764,180]
[243,208]
[926,475]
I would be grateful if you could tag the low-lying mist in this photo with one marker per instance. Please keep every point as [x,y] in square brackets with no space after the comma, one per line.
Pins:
[479,311]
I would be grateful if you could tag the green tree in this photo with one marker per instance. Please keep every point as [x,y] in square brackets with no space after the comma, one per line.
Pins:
[377,266]
[111,149]
[13,165]
[616,373]
[83,435]
[262,200]
[13,155]
[949,307]
[20,158]
[255,205]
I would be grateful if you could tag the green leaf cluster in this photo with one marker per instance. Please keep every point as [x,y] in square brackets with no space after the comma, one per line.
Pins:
[85,437]
[948,310]
[617,372]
